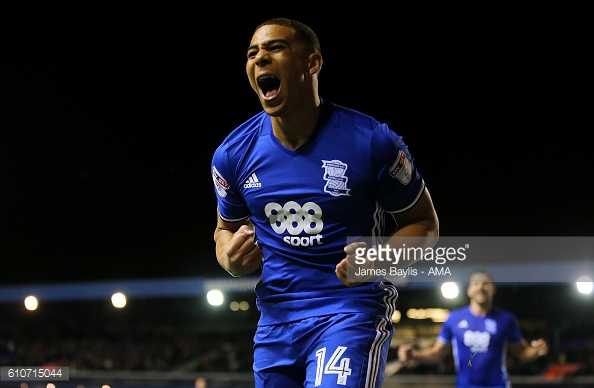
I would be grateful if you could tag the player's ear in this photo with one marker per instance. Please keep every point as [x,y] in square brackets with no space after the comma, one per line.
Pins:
[314,63]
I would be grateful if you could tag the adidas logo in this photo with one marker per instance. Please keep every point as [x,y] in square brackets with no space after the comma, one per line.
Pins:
[252,182]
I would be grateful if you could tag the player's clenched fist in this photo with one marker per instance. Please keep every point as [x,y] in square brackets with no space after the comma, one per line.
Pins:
[346,271]
[405,352]
[540,346]
[240,255]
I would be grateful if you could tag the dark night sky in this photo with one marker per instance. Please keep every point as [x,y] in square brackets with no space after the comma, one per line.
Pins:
[110,113]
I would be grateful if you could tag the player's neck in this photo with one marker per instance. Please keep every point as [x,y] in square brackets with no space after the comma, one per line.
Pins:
[294,128]
[480,310]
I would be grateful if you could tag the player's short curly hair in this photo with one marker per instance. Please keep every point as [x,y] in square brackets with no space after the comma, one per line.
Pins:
[483,272]
[303,32]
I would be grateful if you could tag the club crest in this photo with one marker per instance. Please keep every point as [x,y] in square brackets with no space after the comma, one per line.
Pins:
[334,175]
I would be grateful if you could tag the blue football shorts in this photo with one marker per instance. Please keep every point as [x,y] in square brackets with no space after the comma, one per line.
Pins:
[338,350]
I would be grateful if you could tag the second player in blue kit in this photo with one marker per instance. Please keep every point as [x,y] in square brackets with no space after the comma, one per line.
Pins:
[479,336]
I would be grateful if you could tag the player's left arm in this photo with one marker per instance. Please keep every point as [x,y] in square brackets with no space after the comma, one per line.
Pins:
[418,224]
[419,221]
[526,352]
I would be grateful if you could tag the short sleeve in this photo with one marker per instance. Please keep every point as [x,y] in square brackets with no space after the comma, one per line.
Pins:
[398,182]
[231,205]
[514,333]
[445,333]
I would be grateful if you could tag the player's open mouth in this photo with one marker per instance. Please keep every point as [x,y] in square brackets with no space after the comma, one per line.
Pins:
[269,86]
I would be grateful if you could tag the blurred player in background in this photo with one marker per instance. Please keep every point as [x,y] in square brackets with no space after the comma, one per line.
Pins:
[480,336]
[292,184]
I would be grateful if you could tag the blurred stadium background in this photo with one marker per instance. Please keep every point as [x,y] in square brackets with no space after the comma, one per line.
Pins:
[167,332]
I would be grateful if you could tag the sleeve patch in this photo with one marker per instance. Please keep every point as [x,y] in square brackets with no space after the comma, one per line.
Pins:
[401,169]
[220,183]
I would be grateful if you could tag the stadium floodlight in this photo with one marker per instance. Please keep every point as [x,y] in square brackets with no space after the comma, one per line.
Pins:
[449,290]
[31,303]
[584,285]
[118,300]
[215,297]
[236,306]
[397,316]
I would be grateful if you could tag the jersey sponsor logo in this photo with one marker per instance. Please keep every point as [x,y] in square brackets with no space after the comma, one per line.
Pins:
[477,341]
[401,169]
[336,181]
[252,182]
[303,223]
[220,183]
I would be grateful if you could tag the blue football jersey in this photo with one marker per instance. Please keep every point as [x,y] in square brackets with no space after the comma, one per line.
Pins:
[304,204]
[482,341]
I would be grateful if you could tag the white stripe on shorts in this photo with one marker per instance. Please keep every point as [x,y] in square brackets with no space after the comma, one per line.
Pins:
[382,335]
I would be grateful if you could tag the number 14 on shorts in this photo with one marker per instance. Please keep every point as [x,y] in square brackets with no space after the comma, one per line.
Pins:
[335,366]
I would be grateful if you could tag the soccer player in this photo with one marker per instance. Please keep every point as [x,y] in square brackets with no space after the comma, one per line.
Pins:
[200,382]
[480,335]
[293,183]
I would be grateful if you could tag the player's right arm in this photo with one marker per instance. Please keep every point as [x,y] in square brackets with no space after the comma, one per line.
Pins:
[432,355]
[236,250]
